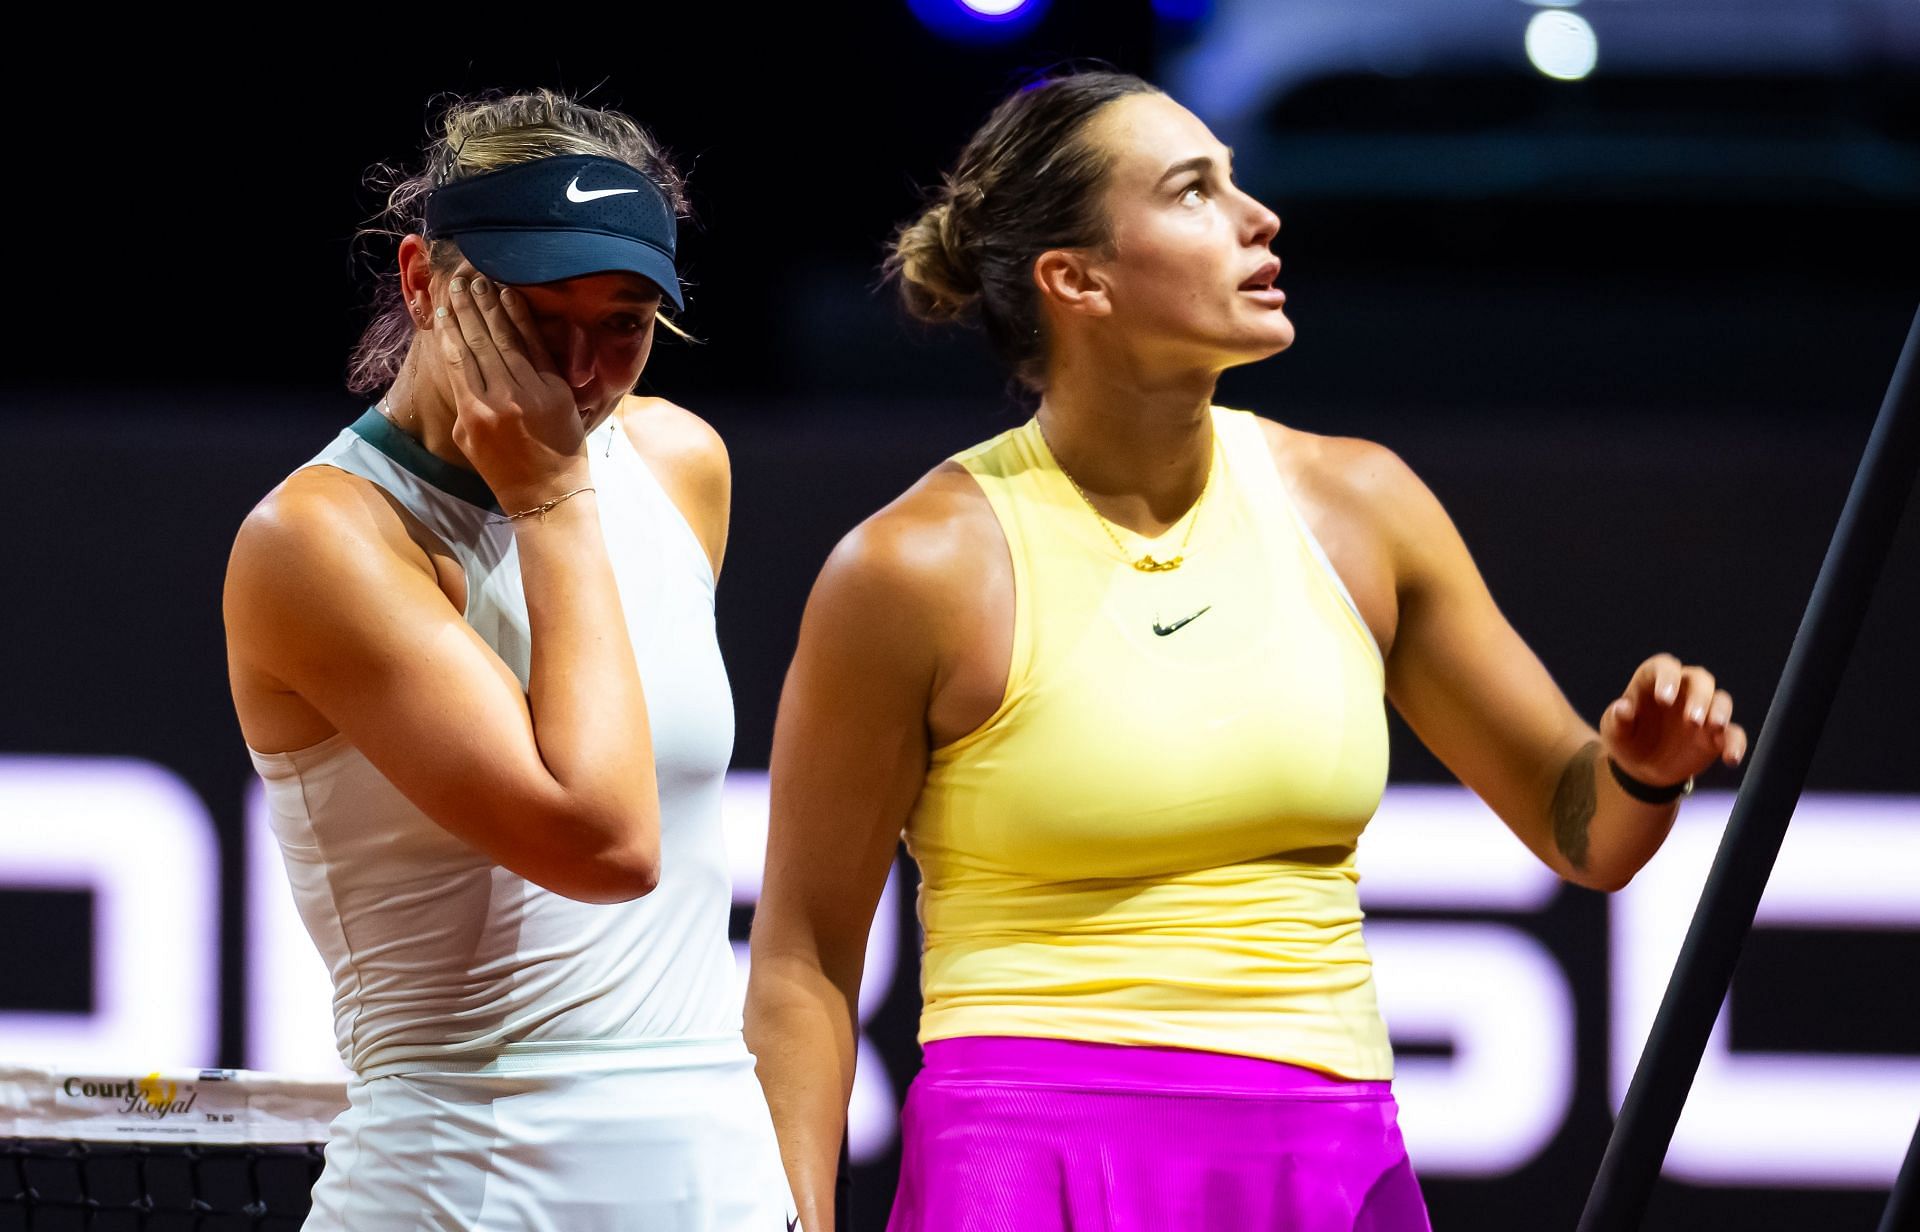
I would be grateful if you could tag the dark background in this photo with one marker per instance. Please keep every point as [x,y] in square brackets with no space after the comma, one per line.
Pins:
[1632,330]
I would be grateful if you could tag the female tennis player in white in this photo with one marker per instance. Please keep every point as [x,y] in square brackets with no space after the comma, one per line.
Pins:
[472,650]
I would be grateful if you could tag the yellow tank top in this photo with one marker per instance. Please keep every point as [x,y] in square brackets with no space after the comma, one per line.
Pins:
[1151,840]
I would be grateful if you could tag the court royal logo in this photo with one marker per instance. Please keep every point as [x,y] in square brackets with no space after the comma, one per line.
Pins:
[152,1097]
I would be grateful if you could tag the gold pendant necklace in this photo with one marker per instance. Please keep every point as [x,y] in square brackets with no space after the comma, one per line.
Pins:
[385,407]
[1147,563]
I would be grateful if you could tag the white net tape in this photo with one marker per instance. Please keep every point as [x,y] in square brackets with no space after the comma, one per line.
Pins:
[214,1106]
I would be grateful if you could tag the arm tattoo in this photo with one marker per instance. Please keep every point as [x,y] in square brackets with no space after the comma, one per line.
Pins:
[1573,805]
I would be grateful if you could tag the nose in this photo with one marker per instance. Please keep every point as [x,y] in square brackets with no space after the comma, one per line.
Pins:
[1263,223]
[577,358]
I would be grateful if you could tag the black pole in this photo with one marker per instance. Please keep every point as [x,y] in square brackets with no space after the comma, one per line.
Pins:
[1903,1205]
[1747,853]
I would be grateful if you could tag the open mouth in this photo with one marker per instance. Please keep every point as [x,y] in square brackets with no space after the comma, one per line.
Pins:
[1261,284]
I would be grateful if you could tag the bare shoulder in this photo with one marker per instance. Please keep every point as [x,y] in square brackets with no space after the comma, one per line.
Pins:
[320,515]
[322,549]
[1346,468]
[689,459]
[931,538]
[672,437]
[915,570]
[1349,477]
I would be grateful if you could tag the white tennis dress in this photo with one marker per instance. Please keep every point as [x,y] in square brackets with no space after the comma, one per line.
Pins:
[522,1060]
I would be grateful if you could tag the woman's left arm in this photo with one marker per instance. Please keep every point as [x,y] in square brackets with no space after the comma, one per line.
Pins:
[1479,698]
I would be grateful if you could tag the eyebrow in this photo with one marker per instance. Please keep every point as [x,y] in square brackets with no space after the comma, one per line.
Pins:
[1199,163]
[623,294]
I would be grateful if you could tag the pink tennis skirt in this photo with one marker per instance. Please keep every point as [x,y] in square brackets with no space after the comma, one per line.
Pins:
[1004,1134]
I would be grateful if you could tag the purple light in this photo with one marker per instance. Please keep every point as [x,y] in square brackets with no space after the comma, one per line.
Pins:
[995,10]
[979,21]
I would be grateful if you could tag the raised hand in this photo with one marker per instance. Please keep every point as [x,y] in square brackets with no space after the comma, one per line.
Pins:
[1671,723]
[515,417]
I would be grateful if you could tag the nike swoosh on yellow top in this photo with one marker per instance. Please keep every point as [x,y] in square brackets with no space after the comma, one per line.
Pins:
[1176,626]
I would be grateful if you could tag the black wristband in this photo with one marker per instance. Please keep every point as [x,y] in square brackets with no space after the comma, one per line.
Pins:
[1647,793]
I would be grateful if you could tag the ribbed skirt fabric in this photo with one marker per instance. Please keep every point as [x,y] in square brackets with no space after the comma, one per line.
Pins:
[1005,1134]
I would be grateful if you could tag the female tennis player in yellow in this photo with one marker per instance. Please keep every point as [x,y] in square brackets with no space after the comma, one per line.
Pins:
[1119,676]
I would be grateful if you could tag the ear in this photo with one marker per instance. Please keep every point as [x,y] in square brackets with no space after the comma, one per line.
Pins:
[416,281]
[1069,279]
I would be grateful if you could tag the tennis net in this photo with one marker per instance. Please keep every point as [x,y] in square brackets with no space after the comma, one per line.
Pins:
[206,1150]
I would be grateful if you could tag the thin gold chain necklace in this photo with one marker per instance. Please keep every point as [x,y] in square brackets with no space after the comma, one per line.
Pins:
[385,405]
[1147,563]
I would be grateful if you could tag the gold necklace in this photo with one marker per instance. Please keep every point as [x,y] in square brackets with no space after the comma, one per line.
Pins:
[1147,563]
[385,407]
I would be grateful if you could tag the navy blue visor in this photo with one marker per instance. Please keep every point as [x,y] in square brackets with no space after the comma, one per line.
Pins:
[560,218]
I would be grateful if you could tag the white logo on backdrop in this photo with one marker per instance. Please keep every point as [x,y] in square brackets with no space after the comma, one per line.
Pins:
[141,843]
[1778,1118]
[137,839]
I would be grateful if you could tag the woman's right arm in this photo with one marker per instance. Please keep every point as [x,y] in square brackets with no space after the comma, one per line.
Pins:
[850,754]
[327,598]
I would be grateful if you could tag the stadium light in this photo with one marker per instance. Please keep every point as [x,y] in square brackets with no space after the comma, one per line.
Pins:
[979,21]
[1562,45]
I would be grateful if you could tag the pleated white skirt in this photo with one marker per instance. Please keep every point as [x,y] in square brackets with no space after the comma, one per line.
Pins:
[606,1143]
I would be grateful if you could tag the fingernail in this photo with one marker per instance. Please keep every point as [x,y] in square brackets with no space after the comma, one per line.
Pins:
[1698,714]
[457,286]
[440,312]
[1668,692]
[506,295]
[479,286]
